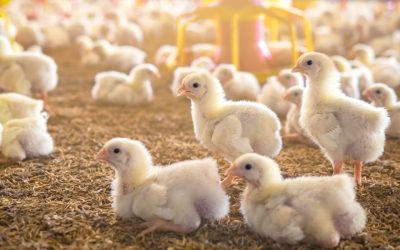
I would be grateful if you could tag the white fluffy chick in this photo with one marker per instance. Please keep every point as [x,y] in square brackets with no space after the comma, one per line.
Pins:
[16,106]
[203,62]
[238,85]
[384,70]
[171,198]
[179,74]
[26,138]
[382,95]
[293,129]
[272,92]
[343,127]
[39,70]
[121,89]
[320,210]
[227,127]
[119,58]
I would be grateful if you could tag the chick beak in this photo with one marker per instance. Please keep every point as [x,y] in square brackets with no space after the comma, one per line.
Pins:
[183,91]
[233,170]
[102,155]
[298,68]
[367,94]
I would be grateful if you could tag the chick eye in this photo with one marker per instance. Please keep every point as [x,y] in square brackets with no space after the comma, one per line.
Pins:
[248,166]
[296,94]
[116,150]
[309,62]
[378,91]
[195,85]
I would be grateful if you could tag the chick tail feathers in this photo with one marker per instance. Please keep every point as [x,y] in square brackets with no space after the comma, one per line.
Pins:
[213,203]
[380,118]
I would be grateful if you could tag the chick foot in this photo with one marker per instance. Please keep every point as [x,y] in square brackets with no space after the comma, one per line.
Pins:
[161,225]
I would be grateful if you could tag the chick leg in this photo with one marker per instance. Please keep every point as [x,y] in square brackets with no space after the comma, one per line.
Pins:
[162,225]
[337,167]
[358,165]
[44,95]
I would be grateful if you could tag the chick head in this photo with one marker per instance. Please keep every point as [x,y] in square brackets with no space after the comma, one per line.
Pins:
[203,62]
[255,169]
[196,85]
[125,155]
[381,94]
[289,79]
[224,72]
[294,95]
[314,65]
[146,70]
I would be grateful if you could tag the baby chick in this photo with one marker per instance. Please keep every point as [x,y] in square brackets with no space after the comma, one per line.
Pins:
[382,95]
[40,71]
[171,198]
[26,138]
[273,90]
[228,127]
[343,127]
[293,130]
[238,85]
[121,89]
[384,70]
[15,106]
[318,209]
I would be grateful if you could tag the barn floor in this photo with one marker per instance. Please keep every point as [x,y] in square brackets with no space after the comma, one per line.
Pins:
[63,201]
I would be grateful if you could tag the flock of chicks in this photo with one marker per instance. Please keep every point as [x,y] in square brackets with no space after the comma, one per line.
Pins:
[320,99]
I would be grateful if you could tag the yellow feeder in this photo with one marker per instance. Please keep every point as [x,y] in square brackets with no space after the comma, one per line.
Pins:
[241,19]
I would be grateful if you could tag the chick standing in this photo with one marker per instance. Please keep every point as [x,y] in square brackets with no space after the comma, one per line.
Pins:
[343,127]
[319,209]
[118,88]
[227,127]
[382,95]
[271,94]
[171,198]
[40,71]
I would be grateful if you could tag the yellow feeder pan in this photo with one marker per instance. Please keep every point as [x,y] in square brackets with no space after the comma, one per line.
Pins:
[302,4]
[3,3]
[274,14]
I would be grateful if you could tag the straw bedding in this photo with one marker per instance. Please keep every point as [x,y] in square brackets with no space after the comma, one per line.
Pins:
[63,201]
